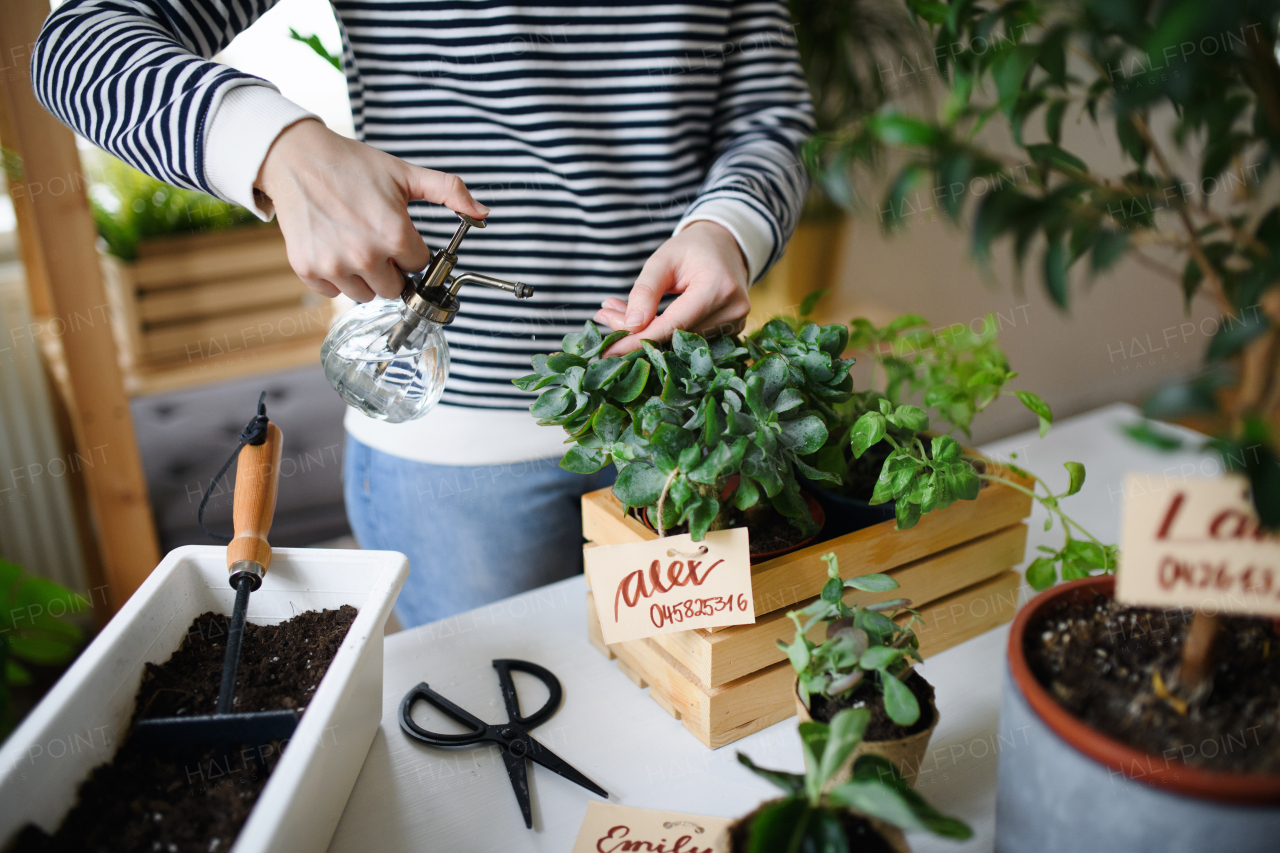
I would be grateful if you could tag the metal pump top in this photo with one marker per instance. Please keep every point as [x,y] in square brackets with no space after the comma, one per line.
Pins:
[433,293]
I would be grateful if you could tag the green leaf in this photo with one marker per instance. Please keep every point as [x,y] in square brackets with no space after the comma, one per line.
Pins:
[910,417]
[562,361]
[551,403]
[1144,432]
[1076,472]
[788,399]
[1108,247]
[880,657]
[846,731]
[804,435]
[877,790]
[700,517]
[747,494]
[790,782]
[810,302]
[1234,334]
[601,374]
[1055,271]
[608,422]
[1008,70]
[944,448]
[867,431]
[639,485]
[1041,409]
[899,702]
[907,514]
[779,825]
[629,388]
[15,675]
[583,460]
[1041,574]
[872,583]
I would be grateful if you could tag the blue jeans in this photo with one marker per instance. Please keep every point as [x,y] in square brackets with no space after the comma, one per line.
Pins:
[473,535]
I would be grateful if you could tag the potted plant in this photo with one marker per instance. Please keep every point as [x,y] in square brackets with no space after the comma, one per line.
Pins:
[880,446]
[864,661]
[84,720]
[706,435]
[866,812]
[1107,735]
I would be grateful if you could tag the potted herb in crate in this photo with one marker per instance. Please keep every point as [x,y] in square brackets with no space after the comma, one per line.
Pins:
[880,447]
[865,812]
[865,661]
[706,435]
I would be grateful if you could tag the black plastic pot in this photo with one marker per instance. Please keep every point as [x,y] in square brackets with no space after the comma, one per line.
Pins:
[846,514]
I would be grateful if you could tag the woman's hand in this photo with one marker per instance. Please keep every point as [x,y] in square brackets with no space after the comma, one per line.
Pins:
[343,210]
[705,266]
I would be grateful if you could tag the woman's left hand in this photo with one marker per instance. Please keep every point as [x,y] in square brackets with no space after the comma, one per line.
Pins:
[705,266]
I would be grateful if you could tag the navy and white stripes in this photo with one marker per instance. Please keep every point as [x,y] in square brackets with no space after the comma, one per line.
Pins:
[590,130]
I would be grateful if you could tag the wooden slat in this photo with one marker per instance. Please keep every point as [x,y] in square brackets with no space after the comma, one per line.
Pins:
[724,714]
[65,237]
[214,336]
[224,296]
[183,260]
[720,657]
[791,578]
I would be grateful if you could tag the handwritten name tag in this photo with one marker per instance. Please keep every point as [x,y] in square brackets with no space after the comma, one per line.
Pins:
[1197,544]
[672,584]
[610,828]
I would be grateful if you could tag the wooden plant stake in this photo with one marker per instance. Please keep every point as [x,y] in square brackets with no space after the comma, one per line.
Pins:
[1195,673]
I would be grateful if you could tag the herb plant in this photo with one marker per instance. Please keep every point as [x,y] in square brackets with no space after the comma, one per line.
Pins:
[29,633]
[807,818]
[860,642]
[682,422]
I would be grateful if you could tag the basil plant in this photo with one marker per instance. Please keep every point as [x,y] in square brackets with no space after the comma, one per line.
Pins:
[808,816]
[713,431]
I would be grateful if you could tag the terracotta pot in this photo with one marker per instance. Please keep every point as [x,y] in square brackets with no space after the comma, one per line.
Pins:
[891,834]
[906,754]
[1064,786]
[815,510]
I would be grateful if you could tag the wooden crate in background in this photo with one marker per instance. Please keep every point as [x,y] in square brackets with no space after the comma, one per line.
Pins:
[209,306]
[726,683]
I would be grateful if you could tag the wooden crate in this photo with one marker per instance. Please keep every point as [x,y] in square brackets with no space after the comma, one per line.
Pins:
[726,683]
[199,299]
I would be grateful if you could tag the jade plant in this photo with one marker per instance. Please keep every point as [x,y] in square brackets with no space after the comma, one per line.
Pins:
[810,815]
[860,642]
[30,635]
[708,434]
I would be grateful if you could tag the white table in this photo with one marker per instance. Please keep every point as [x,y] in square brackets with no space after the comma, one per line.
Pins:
[414,798]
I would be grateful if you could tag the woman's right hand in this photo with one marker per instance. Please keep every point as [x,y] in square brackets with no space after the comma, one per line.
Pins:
[343,209]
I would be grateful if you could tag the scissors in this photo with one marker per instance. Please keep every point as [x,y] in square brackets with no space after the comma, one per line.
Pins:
[512,737]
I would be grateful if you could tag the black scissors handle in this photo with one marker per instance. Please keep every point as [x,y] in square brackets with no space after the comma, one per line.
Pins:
[479,728]
[505,668]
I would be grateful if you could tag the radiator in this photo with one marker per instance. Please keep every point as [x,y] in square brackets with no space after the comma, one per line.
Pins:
[37,518]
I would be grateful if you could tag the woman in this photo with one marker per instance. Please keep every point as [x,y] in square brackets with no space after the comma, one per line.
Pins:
[631,152]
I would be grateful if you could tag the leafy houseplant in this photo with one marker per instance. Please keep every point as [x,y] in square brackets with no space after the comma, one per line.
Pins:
[29,633]
[704,433]
[130,207]
[817,818]
[860,642]
[1037,66]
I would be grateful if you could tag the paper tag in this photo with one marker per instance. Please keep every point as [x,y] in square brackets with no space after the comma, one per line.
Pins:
[1197,544]
[672,584]
[610,828]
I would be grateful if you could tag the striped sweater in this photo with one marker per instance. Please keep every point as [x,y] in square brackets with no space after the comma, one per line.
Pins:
[592,131]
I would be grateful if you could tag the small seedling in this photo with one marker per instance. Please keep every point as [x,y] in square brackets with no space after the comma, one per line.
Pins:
[860,642]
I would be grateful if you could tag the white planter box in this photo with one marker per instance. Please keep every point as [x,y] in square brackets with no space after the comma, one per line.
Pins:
[85,716]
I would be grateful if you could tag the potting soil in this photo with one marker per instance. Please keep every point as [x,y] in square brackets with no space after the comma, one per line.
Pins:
[1100,660]
[145,801]
[867,695]
[858,832]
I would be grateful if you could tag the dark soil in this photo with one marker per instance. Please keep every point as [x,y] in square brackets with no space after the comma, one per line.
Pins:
[1100,659]
[858,832]
[867,695]
[143,801]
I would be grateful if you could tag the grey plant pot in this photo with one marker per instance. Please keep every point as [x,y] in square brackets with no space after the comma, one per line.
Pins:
[1053,798]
